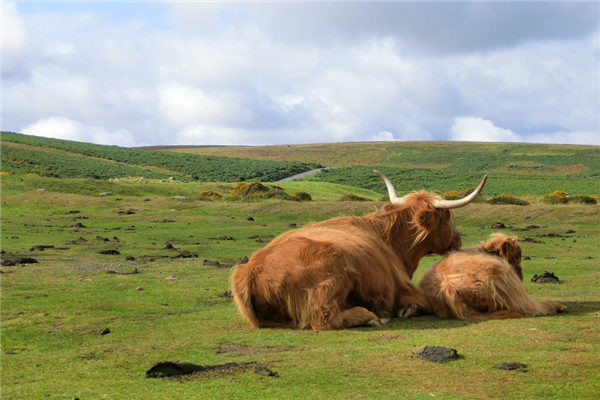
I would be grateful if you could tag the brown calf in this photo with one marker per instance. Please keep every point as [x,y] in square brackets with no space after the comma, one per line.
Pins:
[483,283]
[343,272]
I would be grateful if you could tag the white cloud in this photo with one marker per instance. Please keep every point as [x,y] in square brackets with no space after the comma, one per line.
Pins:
[475,129]
[383,136]
[236,73]
[13,35]
[69,129]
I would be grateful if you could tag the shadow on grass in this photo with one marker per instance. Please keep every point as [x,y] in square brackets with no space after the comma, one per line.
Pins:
[581,307]
[575,308]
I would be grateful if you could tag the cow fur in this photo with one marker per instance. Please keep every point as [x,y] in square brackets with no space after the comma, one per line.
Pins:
[345,271]
[483,283]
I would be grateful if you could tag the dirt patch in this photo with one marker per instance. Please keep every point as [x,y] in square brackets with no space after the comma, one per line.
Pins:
[41,247]
[186,254]
[170,369]
[9,260]
[546,277]
[438,354]
[531,240]
[512,366]
[132,272]
[525,228]
[112,252]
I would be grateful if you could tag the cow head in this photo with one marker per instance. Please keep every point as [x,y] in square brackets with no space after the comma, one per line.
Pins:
[506,248]
[430,222]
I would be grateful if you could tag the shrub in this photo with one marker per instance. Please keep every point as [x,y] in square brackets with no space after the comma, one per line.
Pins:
[507,199]
[557,197]
[302,196]
[583,198]
[209,195]
[243,189]
[352,197]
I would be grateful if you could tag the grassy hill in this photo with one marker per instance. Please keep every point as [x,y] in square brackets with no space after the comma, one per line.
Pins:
[68,159]
[513,168]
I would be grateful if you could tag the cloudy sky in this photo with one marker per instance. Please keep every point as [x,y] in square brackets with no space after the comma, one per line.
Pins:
[148,73]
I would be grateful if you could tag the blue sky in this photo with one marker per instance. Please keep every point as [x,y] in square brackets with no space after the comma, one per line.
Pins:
[147,73]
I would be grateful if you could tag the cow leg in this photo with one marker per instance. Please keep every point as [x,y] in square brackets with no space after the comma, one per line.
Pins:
[413,302]
[327,300]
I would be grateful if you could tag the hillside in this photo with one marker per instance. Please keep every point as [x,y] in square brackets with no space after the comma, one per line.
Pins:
[68,159]
[515,168]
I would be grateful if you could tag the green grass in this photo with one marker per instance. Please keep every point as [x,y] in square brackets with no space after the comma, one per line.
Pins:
[52,312]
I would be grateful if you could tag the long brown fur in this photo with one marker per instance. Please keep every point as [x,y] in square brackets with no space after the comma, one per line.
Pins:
[483,283]
[343,272]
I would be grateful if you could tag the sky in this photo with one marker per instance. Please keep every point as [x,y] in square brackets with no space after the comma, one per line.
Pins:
[251,73]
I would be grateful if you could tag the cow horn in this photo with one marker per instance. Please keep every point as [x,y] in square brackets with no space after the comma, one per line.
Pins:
[462,202]
[391,191]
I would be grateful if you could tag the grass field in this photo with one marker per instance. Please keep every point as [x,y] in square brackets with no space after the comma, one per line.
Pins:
[53,312]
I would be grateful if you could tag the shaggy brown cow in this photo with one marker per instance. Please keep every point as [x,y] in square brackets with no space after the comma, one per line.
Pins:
[341,272]
[483,283]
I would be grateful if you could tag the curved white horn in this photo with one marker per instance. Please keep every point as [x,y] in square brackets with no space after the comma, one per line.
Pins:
[391,191]
[462,202]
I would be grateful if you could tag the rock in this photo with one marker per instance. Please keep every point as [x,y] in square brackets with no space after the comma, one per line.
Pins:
[110,252]
[250,219]
[293,225]
[41,247]
[225,238]
[512,366]
[105,331]
[262,370]
[243,260]
[186,254]
[226,294]
[546,277]
[129,211]
[169,246]
[78,225]
[211,263]
[498,225]
[439,354]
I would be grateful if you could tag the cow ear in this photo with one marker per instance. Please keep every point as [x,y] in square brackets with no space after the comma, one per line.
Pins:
[426,220]
[507,248]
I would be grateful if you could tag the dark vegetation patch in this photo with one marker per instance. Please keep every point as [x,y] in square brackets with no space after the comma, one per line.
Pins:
[111,252]
[41,247]
[226,294]
[353,197]
[129,211]
[11,259]
[438,354]
[512,366]
[169,369]
[509,199]
[185,254]
[132,272]
[546,277]
[262,370]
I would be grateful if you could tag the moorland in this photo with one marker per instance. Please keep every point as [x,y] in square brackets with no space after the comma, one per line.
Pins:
[109,267]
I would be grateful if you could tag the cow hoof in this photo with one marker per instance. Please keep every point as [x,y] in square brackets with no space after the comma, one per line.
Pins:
[410,310]
[560,308]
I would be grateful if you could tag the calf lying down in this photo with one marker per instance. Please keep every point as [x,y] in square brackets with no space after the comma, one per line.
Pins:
[483,283]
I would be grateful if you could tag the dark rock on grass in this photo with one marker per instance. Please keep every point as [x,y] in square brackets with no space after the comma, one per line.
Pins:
[186,254]
[512,366]
[526,258]
[293,225]
[438,354]
[531,240]
[102,239]
[527,228]
[169,246]
[78,225]
[498,225]
[546,277]
[250,219]
[41,247]
[226,294]
[262,370]
[130,258]
[552,235]
[112,252]
[9,260]
[74,212]
[570,231]
[243,260]
[129,211]
[105,331]
[225,238]
[211,263]
[170,368]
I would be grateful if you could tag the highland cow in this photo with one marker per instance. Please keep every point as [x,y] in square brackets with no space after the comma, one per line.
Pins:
[346,271]
[483,283]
